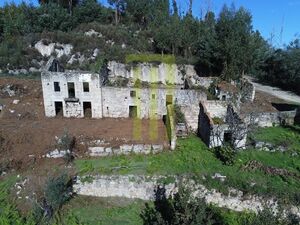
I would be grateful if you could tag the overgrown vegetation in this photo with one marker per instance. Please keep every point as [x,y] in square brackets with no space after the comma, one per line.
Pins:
[288,137]
[193,157]
[183,209]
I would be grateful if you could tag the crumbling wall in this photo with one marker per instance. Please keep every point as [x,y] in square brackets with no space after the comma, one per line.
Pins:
[170,124]
[150,103]
[269,119]
[216,108]
[205,124]
[72,108]
[170,74]
[247,91]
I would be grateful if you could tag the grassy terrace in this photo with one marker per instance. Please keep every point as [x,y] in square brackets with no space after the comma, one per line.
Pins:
[192,157]
[287,137]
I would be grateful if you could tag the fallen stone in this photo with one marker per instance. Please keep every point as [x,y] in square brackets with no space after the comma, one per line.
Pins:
[57,154]
[157,148]
[147,149]
[218,176]
[126,149]
[16,101]
[138,148]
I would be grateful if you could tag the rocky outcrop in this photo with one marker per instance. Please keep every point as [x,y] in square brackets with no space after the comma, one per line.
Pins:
[48,49]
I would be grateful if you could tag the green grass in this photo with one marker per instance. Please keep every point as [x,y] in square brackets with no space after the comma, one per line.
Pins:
[284,136]
[193,158]
[105,211]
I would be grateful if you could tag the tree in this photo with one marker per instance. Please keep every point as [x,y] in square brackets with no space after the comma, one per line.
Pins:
[234,30]
[69,4]
[119,6]
[89,11]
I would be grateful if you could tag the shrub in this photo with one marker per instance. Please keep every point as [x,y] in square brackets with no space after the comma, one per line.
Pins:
[182,209]
[58,190]
[66,142]
[226,154]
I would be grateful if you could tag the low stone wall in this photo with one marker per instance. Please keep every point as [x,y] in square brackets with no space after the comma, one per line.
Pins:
[270,119]
[100,151]
[142,187]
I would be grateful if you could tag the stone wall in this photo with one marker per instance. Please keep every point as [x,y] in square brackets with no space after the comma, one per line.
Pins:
[71,109]
[170,124]
[111,101]
[247,91]
[161,73]
[216,108]
[150,103]
[125,149]
[141,187]
[269,119]
[205,124]
[216,120]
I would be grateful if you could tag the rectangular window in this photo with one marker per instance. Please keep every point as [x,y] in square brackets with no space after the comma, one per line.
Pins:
[71,89]
[132,93]
[56,87]
[86,87]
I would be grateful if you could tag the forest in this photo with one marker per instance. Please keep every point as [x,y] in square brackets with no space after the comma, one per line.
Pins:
[224,45]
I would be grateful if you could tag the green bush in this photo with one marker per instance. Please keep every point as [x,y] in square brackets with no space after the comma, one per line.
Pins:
[58,190]
[181,209]
[226,154]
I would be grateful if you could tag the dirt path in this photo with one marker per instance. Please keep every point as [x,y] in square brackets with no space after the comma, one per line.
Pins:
[277,92]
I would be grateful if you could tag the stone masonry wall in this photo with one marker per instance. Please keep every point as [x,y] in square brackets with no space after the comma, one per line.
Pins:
[142,187]
[150,103]
[270,119]
[162,73]
[111,101]
[71,109]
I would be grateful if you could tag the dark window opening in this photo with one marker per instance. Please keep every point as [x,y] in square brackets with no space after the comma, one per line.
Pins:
[56,87]
[165,119]
[224,97]
[228,137]
[133,111]
[58,108]
[86,87]
[87,109]
[153,96]
[71,90]
[133,94]
[169,99]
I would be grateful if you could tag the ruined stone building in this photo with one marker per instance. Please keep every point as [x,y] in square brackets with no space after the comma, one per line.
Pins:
[81,94]
[85,94]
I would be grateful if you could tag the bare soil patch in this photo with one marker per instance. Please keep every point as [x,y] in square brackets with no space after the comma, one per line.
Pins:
[27,135]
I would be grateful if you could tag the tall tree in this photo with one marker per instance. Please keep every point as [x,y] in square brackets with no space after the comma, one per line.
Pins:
[234,30]
[119,6]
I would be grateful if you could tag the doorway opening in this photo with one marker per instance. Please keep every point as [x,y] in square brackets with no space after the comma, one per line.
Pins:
[228,138]
[87,109]
[58,108]
[133,111]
